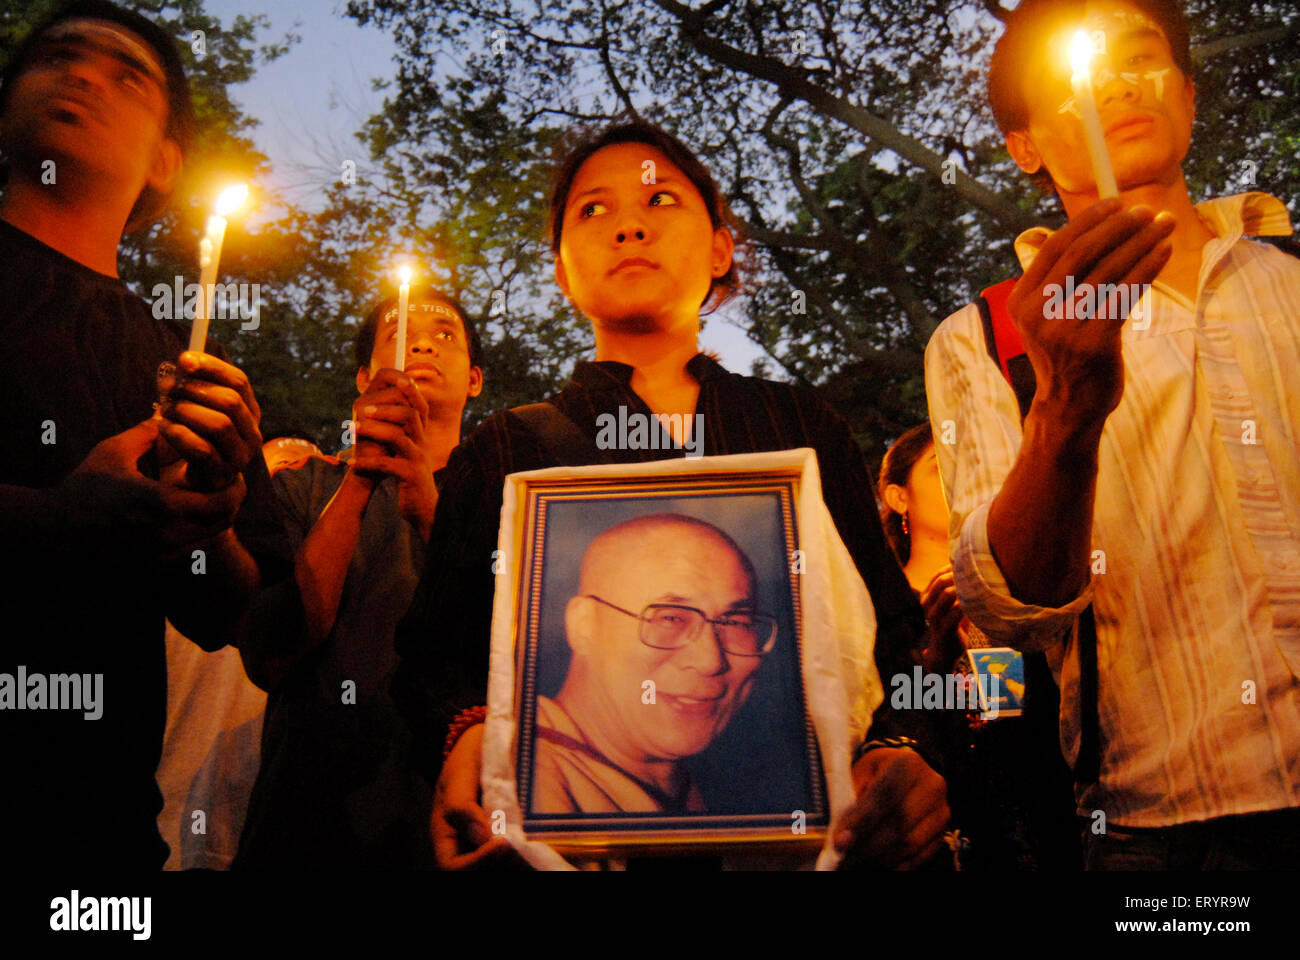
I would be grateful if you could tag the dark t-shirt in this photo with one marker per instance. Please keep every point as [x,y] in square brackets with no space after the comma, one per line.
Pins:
[445,640]
[78,360]
[336,788]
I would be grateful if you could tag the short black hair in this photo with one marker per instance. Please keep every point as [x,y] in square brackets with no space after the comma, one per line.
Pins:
[363,347]
[180,126]
[1028,30]
[639,131]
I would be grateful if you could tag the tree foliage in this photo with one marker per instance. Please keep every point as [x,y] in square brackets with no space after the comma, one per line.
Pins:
[852,140]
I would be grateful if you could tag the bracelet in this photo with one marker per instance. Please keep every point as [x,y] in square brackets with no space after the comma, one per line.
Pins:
[463,721]
[867,746]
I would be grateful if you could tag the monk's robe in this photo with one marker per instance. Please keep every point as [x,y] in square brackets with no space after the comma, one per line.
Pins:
[572,776]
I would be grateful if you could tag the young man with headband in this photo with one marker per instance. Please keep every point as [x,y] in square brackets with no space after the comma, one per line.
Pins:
[337,788]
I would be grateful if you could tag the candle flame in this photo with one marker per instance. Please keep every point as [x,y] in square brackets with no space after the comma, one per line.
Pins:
[231,199]
[404,274]
[1081,51]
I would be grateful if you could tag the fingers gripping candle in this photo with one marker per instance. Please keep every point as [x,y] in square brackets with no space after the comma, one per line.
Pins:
[1081,51]
[230,200]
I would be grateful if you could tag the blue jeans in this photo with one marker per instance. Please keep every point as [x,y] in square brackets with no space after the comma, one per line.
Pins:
[1256,841]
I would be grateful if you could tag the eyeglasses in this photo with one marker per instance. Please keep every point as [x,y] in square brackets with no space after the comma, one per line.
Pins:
[669,626]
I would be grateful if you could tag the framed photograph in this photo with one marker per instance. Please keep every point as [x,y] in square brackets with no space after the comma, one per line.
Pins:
[653,631]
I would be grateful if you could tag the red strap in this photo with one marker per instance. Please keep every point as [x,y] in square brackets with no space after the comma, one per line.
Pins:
[1005,335]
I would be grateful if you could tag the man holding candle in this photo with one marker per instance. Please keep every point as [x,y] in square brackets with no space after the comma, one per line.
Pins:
[95,118]
[337,788]
[1157,476]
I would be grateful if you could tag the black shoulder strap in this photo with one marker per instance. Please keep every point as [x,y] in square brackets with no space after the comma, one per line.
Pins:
[562,439]
[990,337]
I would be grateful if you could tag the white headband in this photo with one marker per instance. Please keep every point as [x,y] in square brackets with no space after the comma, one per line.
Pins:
[438,309]
[110,35]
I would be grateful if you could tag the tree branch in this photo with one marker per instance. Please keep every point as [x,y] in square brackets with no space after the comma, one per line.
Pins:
[786,241]
[816,297]
[792,83]
[897,280]
[870,261]
[841,243]
[609,63]
[1206,51]
[995,8]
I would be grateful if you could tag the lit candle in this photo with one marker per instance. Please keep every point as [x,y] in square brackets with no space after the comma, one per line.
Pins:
[230,200]
[403,302]
[1081,50]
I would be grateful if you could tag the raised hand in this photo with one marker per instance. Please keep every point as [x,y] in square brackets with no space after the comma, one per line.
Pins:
[1076,361]
[943,615]
[389,426]
[210,418]
[108,492]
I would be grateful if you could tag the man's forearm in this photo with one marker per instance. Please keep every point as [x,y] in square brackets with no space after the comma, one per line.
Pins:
[321,567]
[1040,523]
[289,620]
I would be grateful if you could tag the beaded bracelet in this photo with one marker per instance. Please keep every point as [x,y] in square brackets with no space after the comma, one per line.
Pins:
[463,721]
[867,746]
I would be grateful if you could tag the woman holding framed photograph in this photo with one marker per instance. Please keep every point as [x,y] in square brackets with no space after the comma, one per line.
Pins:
[642,244]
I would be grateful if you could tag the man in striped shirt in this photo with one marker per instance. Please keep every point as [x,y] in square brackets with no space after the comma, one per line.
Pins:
[1157,476]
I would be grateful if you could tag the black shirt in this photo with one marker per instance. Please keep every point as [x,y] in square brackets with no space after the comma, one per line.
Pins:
[78,360]
[444,640]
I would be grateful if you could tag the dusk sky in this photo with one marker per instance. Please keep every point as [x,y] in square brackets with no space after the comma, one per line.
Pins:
[312,100]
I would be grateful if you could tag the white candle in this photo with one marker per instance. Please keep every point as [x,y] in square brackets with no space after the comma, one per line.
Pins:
[209,257]
[1081,51]
[403,303]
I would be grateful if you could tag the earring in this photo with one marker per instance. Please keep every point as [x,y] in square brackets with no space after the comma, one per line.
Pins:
[905,521]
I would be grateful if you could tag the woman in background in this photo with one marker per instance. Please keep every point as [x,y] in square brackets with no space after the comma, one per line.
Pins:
[915,518]
[1008,786]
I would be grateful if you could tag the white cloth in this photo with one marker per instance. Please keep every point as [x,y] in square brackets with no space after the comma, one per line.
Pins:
[839,628]
[1197,520]
[210,753]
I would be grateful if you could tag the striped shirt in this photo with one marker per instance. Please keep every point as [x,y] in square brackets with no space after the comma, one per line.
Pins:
[1195,574]
[445,639]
